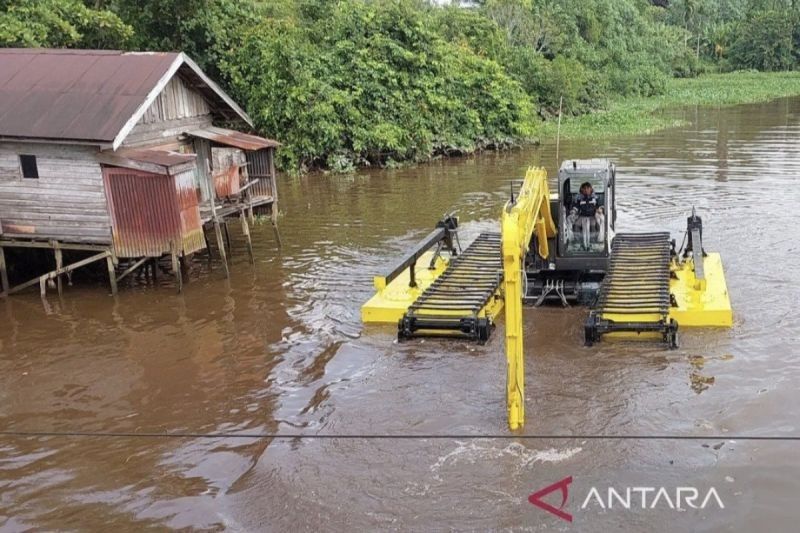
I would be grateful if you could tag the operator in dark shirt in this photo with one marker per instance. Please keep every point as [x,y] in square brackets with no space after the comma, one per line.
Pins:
[587,212]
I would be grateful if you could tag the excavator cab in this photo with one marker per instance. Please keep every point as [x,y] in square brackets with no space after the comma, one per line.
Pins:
[586,198]
[584,212]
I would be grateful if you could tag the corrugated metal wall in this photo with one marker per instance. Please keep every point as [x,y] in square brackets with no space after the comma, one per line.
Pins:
[191,226]
[149,212]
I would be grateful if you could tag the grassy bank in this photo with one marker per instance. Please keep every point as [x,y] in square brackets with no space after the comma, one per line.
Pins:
[633,116]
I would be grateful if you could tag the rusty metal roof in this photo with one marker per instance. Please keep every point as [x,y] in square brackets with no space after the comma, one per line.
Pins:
[90,95]
[156,157]
[154,161]
[233,138]
[74,94]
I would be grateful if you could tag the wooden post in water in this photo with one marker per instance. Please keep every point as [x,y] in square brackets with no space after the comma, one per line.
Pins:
[112,275]
[274,206]
[227,233]
[209,257]
[3,272]
[176,266]
[59,265]
[246,231]
[275,226]
[249,199]
[221,246]
[218,232]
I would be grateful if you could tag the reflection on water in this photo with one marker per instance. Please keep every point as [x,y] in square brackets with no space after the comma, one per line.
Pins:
[280,347]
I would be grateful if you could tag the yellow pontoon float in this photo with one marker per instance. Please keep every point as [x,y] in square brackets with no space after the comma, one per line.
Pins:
[637,285]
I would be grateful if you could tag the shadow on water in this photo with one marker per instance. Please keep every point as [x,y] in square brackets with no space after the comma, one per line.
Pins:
[280,347]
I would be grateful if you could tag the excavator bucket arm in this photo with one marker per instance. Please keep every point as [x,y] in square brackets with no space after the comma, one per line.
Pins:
[523,215]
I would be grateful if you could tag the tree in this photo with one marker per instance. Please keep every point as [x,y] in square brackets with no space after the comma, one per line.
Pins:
[205,29]
[60,23]
[764,41]
[370,82]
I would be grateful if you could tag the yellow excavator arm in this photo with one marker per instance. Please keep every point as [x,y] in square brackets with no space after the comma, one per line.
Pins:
[524,214]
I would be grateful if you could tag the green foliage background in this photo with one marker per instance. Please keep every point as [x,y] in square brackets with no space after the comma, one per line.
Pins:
[372,82]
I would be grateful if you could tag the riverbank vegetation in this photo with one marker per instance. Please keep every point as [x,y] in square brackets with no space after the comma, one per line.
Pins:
[370,82]
[641,115]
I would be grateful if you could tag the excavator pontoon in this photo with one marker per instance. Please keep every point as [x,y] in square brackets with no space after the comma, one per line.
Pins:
[561,248]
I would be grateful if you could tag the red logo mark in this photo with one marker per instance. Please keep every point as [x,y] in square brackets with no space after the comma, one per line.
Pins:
[536,498]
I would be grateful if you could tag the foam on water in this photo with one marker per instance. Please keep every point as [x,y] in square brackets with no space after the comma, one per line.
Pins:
[481,450]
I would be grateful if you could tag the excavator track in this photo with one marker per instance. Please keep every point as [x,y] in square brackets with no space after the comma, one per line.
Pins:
[635,295]
[458,303]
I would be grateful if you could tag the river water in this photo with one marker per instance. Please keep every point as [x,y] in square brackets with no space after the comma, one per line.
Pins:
[280,348]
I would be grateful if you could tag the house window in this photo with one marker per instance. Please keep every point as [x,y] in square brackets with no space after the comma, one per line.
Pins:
[29,168]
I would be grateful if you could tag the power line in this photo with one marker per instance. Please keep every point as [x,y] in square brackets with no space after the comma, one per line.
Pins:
[387,436]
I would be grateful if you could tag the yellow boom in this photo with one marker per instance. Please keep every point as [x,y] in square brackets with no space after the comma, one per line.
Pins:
[523,215]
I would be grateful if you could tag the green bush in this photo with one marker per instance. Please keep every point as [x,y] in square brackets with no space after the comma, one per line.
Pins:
[373,82]
[547,81]
[687,66]
[639,80]
[60,23]
[764,41]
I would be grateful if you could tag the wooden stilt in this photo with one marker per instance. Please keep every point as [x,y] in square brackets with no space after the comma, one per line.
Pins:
[274,186]
[221,246]
[131,268]
[112,275]
[67,269]
[209,255]
[274,221]
[249,197]
[176,269]
[246,231]
[218,231]
[59,265]
[3,272]
[227,234]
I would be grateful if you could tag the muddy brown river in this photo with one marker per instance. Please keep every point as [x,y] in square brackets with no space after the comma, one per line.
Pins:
[280,348]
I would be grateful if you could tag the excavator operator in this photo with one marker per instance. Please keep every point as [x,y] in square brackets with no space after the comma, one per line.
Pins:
[587,212]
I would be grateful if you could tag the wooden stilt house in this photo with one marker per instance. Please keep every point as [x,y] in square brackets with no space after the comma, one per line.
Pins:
[122,154]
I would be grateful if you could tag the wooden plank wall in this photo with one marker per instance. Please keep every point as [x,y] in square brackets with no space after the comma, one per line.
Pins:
[202,147]
[67,202]
[176,101]
[177,109]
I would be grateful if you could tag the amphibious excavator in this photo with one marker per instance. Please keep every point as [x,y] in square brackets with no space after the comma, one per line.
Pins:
[554,248]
